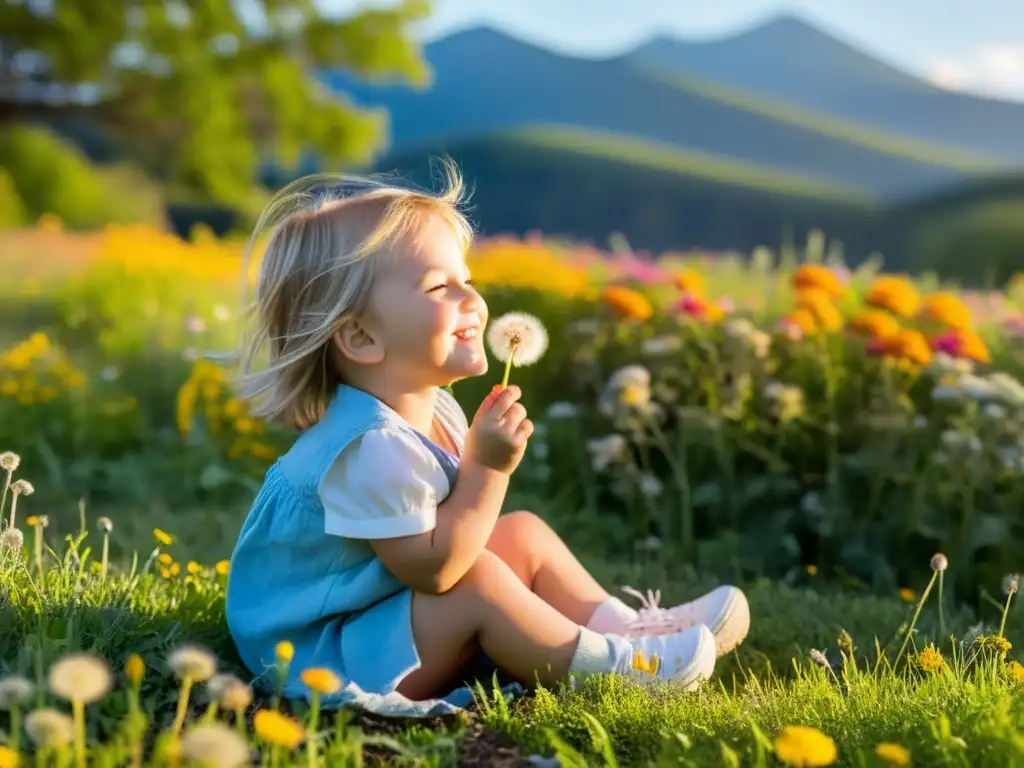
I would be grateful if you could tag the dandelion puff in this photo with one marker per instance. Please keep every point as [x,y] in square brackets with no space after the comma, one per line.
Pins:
[214,746]
[105,524]
[234,695]
[15,691]
[1011,583]
[49,728]
[517,338]
[12,539]
[80,677]
[9,461]
[193,662]
[939,562]
[19,488]
[818,657]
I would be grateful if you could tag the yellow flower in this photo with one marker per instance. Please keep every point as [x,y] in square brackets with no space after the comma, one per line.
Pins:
[263,451]
[947,309]
[819,304]
[907,595]
[278,729]
[875,323]
[627,303]
[193,567]
[163,538]
[223,567]
[284,651]
[690,281]
[321,680]
[893,754]
[997,643]
[895,294]
[1016,672]
[802,319]
[812,570]
[9,758]
[32,521]
[930,659]
[165,572]
[907,345]
[818,277]
[134,669]
[165,559]
[650,666]
[805,747]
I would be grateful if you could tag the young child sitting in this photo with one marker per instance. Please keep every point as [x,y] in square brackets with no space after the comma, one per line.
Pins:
[375,544]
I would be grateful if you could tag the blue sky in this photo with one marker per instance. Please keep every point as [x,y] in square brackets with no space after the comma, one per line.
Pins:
[975,45]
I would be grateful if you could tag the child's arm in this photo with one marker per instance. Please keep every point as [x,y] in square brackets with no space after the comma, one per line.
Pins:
[434,561]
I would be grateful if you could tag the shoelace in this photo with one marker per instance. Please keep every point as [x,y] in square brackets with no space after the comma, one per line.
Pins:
[651,619]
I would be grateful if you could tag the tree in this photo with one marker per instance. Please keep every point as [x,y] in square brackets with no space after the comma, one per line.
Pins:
[207,89]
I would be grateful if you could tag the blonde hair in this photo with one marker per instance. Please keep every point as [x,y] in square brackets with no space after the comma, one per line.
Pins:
[319,265]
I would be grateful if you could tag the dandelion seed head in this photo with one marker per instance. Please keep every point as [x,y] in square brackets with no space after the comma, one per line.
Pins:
[1011,583]
[15,691]
[193,662]
[939,562]
[22,488]
[819,657]
[42,521]
[9,460]
[519,336]
[231,693]
[214,746]
[80,677]
[49,728]
[105,524]
[12,539]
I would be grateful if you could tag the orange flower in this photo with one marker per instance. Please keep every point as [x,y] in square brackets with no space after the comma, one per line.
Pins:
[895,294]
[905,344]
[819,277]
[627,303]
[947,308]
[819,304]
[693,305]
[691,281]
[875,323]
[802,319]
[963,343]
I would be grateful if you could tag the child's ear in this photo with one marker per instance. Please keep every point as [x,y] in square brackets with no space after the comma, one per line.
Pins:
[359,343]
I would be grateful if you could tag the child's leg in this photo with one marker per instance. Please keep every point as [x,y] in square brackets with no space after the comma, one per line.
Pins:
[545,565]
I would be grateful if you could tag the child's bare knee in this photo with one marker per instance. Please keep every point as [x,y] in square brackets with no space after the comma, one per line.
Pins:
[520,527]
[488,575]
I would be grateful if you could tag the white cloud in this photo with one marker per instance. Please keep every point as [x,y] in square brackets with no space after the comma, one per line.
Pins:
[994,70]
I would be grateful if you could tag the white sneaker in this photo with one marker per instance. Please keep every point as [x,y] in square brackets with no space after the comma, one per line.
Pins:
[686,657]
[724,611]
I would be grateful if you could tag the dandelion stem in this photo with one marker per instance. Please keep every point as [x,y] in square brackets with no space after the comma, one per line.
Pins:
[7,486]
[240,721]
[314,721]
[15,727]
[37,549]
[78,709]
[1006,611]
[14,506]
[179,717]
[917,613]
[106,553]
[508,366]
[942,615]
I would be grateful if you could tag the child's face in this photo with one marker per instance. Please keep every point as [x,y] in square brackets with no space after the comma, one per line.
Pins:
[430,319]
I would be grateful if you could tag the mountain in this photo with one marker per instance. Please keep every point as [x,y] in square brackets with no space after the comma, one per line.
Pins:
[795,63]
[488,83]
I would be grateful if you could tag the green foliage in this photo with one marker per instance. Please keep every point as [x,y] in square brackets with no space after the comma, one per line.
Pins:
[12,209]
[211,87]
[52,177]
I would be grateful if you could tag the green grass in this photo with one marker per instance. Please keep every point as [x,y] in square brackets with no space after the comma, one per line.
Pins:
[878,140]
[664,157]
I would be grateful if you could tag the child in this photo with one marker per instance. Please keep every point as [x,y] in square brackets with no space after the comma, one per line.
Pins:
[375,544]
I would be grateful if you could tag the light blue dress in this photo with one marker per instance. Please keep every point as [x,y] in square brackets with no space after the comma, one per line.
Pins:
[328,593]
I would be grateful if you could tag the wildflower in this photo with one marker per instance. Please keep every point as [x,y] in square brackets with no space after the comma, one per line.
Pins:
[1016,672]
[165,559]
[22,488]
[894,294]
[134,669]
[930,659]
[662,345]
[812,570]
[874,323]
[230,692]
[627,303]
[105,524]
[800,320]
[12,539]
[651,486]
[905,344]
[641,664]
[964,344]
[163,538]
[805,747]
[690,281]
[1011,583]
[222,567]
[907,595]
[49,728]
[284,651]
[893,754]
[820,305]
[9,461]
[278,729]
[817,277]
[819,657]
[700,308]
[321,680]
[947,309]
[193,567]
[192,662]
[787,400]
[997,643]
[80,677]
[517,339]
[939,562]
[9,758]
[214,746]
[15,691]
[604,451]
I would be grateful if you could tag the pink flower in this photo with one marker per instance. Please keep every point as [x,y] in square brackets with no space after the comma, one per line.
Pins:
[948,343]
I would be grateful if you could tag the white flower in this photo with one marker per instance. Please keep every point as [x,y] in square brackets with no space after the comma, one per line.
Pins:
[651,486]
[9,461]
[193,662]
[80,677]
[15,692]
[49,728]
[662,345]
[519,337]
[605,450]
[214,746]
[562,410]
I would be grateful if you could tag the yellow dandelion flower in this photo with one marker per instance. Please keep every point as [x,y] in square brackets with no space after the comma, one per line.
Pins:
[284,651]
[818,277]
[812,570]
[193,567]
[650,666]
[275,728]
[894,294]
[175,569]
[134,669]
[165,572]
[930,659]
[9,758]
[223,567]
[321,680]
[893,754]
[165,559]
[1016,672]
[32,521]
[997,643]
[162,537]
[627,303]
[907,595]
[805,747]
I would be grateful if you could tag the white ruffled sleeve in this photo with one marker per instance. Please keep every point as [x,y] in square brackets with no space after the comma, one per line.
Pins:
[384,484]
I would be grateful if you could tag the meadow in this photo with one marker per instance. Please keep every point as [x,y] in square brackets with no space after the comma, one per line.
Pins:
[775,419]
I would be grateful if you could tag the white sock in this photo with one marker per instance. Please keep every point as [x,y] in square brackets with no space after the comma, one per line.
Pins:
[611,616]
[598,654]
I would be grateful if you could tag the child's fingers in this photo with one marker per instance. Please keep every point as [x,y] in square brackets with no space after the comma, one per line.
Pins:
[513,417]
[523,432]
[505,399]
[495,391]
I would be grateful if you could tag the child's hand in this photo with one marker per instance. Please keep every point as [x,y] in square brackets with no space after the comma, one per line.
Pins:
[500,430]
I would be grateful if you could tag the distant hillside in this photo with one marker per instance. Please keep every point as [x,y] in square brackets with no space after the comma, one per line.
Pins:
[487,83]
[791,61]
